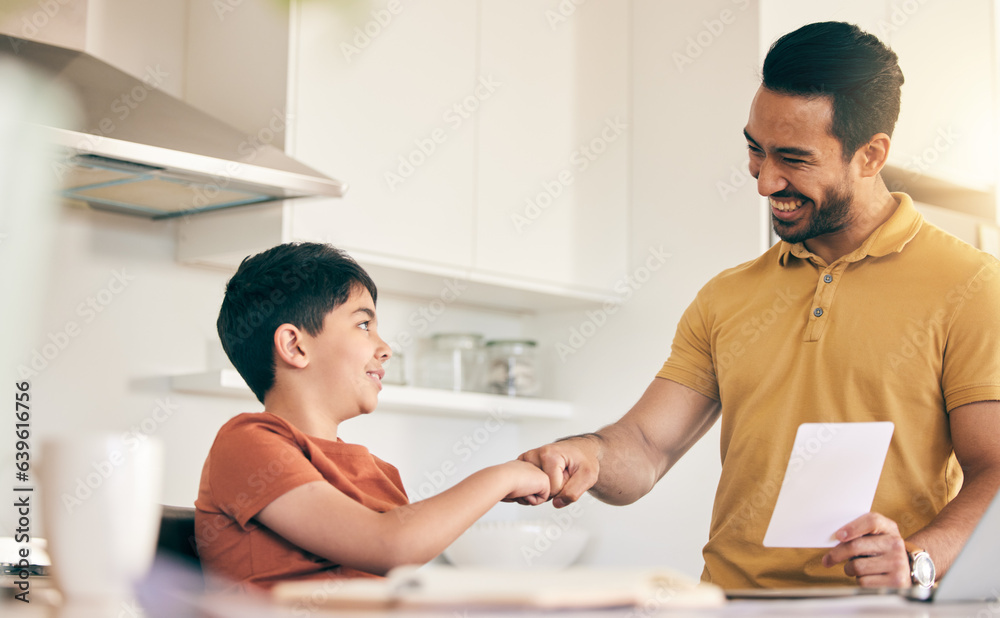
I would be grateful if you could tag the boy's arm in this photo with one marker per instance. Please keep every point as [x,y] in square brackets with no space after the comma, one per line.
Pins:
[320,519]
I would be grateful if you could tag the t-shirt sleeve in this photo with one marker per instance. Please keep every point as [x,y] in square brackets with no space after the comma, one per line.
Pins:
[971,370]
[690,362]
[253,462]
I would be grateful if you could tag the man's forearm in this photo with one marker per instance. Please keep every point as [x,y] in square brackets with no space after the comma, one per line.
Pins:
[945,536]
[628,469]
[623,461]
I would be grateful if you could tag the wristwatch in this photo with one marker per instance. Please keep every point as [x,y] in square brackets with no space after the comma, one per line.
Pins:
[922,571]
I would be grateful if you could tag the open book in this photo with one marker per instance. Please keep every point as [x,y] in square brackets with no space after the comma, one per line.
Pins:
[438,586]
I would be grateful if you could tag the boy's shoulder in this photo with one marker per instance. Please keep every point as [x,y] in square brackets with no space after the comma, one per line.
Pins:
[256,419]
[250,428]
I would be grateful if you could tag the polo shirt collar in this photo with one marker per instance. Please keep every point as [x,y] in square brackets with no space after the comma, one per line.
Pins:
[890,237]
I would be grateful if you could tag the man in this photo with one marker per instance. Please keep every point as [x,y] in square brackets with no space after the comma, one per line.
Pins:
[862,313]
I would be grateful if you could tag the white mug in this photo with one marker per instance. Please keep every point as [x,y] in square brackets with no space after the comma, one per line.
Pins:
[100,511]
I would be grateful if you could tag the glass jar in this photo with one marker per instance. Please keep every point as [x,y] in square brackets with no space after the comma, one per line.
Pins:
[395,369]
[512,368]
[453,361]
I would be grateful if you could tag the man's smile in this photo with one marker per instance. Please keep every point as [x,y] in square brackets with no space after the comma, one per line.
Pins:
[786,209]
[784,205]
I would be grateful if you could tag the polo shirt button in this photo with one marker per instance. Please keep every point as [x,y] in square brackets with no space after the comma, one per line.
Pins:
[827,278]
[818,311]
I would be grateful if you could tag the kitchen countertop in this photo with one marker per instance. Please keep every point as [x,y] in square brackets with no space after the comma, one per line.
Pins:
[170,596]
[43,605]
[736,608]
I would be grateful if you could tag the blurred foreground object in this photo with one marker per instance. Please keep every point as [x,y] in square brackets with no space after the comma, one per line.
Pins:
[28,202]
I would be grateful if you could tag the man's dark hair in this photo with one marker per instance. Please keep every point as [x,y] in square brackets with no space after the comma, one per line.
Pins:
[294,283]
[859,74]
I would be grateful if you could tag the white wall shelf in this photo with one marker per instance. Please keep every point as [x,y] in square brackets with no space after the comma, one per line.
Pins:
[974,200]
[407,399]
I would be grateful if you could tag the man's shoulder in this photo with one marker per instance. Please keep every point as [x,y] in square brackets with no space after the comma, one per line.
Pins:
[750,272]
[935,244]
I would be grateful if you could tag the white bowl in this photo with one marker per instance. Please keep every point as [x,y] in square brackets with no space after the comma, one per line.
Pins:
[519,545]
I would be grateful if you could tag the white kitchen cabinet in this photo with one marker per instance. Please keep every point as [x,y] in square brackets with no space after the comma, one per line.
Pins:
[498,144]
[378,93]
[553,142]
[221,239]
[445,119]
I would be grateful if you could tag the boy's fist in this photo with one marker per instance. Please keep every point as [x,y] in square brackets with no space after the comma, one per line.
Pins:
[528,484]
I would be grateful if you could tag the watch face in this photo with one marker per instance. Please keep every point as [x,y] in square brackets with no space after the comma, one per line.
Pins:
[923,570]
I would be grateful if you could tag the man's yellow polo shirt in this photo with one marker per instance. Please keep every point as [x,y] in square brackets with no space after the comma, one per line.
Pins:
[904,329]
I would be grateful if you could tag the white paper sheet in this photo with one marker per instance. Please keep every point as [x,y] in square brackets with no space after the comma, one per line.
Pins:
[831,478]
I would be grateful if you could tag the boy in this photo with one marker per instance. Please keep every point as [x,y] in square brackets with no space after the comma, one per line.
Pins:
[282,497]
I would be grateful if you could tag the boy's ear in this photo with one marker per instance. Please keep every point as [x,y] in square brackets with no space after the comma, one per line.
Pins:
[288,346]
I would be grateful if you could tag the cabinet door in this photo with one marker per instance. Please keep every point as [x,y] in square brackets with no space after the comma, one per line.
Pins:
[553,142]
[378,92]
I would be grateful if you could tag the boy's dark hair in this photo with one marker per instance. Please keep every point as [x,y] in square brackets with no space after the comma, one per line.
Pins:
[293,283]
[858,72]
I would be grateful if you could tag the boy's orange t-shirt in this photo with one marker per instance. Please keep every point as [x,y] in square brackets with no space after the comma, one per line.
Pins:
[256,458]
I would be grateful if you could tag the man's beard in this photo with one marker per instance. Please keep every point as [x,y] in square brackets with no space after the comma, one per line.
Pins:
[833,217]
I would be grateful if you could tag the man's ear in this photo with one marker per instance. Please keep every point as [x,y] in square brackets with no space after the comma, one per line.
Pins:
[288,348]
[872,156]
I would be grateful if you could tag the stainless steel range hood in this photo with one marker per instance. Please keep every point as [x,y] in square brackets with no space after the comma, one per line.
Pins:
[144,152]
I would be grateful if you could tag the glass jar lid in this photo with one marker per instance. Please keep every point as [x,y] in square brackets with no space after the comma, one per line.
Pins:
[513,347]
[457,341]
